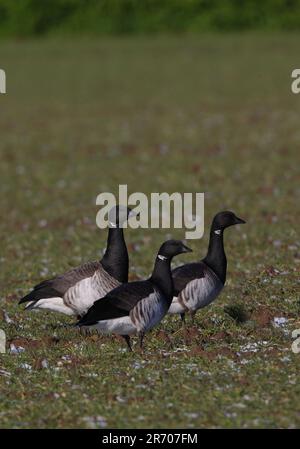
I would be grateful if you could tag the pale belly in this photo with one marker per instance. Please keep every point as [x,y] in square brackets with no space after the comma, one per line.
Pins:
[175,306]
[119,326]
[52,304]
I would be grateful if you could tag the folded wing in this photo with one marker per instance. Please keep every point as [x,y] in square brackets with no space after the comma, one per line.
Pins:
[117,303]
[185,274]
[58,286]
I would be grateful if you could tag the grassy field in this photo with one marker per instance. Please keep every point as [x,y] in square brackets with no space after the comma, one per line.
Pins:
[195,114]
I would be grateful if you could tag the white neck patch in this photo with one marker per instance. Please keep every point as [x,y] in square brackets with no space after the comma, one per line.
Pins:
[161,257]
[218,231]
[112,225]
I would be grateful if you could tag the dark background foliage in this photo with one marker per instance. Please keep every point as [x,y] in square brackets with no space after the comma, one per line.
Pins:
[22,18]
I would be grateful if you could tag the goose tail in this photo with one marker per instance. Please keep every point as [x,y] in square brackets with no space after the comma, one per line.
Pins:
[28,298]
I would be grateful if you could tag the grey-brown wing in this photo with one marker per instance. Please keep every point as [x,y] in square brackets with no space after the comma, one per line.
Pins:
[60,284]
[186,273]
[65,281]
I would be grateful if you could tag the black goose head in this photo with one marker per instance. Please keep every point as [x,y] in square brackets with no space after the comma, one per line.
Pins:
[225,219]
[172,248]
[118,216]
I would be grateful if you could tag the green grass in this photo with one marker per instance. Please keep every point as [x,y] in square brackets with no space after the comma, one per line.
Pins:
[206,114]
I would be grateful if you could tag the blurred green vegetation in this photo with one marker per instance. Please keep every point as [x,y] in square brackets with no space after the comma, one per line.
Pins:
[172,114]
[22,18]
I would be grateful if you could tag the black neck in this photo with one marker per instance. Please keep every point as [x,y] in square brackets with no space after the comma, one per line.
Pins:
[115,260]
[216,257]
[162,277]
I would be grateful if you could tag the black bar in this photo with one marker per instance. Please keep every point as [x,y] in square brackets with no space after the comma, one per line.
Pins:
[102,438]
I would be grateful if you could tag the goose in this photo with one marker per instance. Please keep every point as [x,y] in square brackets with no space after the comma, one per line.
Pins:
[136,307]
[197,284]
[74,292]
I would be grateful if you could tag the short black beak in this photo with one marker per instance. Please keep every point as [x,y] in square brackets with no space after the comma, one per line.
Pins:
[239,220]
[186,249]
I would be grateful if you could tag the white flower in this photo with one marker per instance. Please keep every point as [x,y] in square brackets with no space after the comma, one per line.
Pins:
[280,321]
[26,366]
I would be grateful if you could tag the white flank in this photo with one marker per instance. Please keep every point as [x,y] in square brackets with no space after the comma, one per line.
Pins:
[198,293]
[52,304]
[152,310]
[82,295]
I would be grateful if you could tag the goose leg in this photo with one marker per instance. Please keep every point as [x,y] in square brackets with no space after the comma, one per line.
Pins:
[193,313]
[141,339]
[127,339]
[182,317]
